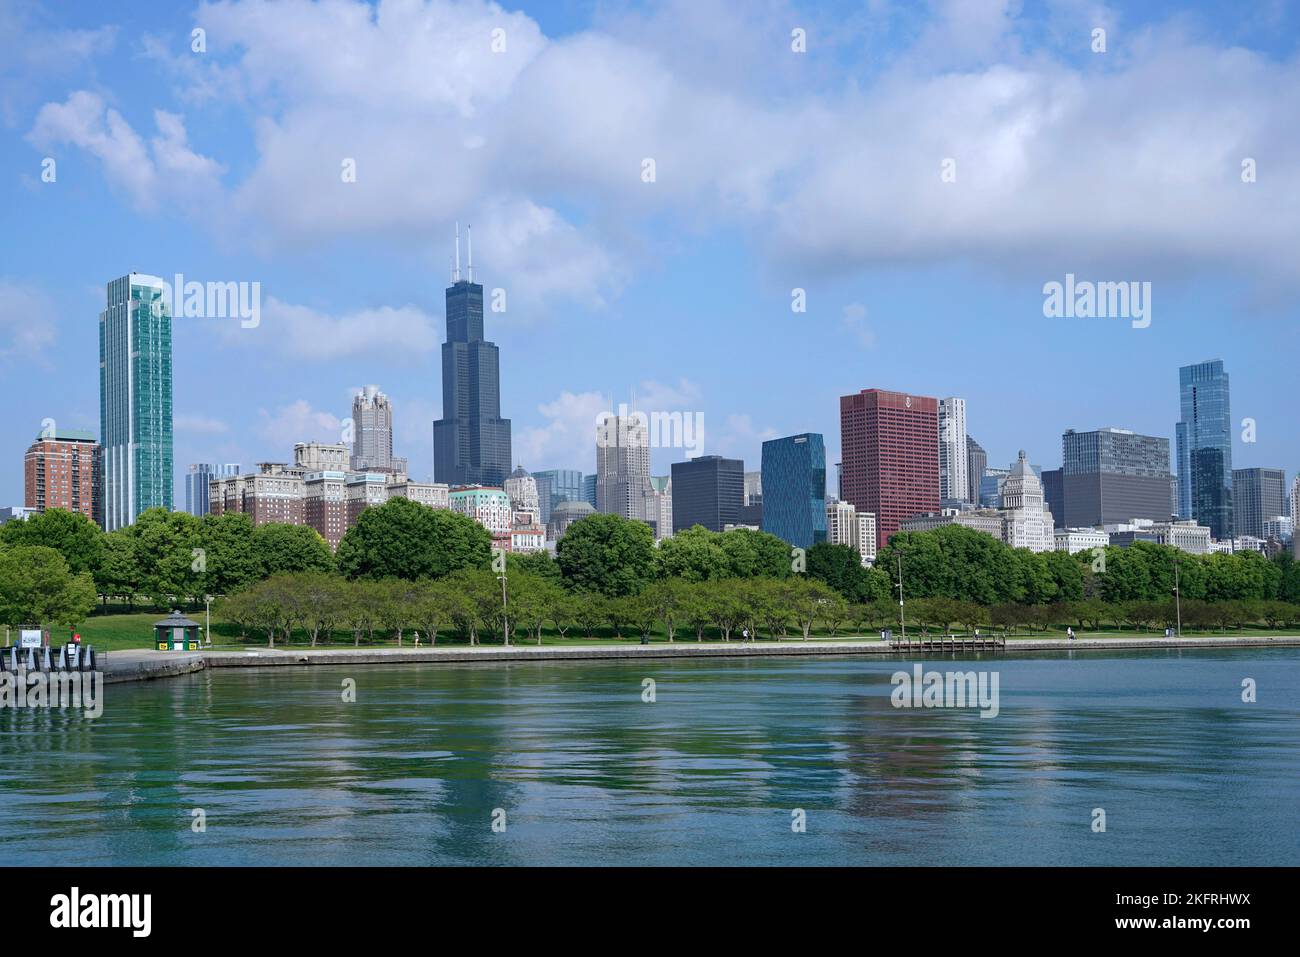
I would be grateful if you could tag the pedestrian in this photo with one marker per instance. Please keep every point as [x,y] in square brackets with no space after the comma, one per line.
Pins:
[417,639]
[1069,633]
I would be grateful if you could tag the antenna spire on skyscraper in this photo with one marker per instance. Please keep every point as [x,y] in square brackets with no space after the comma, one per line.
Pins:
[455,275]
[469,242]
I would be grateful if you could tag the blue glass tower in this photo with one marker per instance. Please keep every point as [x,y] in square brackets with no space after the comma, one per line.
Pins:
[471,442]
[1204,438]
[794,489]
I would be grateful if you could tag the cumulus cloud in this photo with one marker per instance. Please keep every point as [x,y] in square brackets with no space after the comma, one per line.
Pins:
[1127,164]
[163,168]
[27,320]
[396,334]
[296,422]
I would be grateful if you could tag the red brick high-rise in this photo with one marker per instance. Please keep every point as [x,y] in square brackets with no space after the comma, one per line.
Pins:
[61,470]
[890,455]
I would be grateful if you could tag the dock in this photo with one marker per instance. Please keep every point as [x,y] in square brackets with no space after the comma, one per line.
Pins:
[948,644]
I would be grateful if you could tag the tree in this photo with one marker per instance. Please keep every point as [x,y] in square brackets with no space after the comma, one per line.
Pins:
[38,588]
[670,600]
[693,555]
[726,607]
[319,600]
[432,608]
[589,611]
[538,564]
[279,548]
[751,554]
[229,552]
[71,534]
[839,567]
[808,602]
[404,539]
[697,609]
[169,555]
[119,572]
[608,554]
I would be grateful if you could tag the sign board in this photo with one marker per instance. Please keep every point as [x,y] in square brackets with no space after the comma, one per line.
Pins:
[29,638]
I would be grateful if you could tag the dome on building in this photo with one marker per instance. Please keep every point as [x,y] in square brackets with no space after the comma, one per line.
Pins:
[519,472]
[571,510]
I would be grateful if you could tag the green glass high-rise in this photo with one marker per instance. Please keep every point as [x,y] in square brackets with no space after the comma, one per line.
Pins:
[135,398]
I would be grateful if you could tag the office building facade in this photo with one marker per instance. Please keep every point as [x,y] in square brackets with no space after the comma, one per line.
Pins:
[708,490]
[794,473]
[198,481]
[1113,475]
[977,460]
[1204,445]
[372,433]
[135,399]
[555,486]
[61,469]
[954,459]
[1258,495]
[890,445]
[471,442]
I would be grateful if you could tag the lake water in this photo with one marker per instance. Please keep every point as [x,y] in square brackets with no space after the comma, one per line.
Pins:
[712,772]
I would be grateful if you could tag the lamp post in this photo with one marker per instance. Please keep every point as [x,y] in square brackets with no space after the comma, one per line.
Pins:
[1178,598]
[902,622]
[207,619]
[505,620]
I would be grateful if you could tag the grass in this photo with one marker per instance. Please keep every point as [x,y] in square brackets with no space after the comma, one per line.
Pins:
[121,630]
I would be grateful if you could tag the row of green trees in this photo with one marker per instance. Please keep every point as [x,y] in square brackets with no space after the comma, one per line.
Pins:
[467,604]
[171,558]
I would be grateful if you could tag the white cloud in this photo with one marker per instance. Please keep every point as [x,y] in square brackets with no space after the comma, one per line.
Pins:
[1126,165]
[397,334]
[165,168]
[27,320]
[297,422]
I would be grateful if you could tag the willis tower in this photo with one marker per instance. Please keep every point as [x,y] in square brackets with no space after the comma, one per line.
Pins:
[471,442]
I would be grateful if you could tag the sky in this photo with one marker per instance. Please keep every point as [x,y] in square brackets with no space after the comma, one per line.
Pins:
[915,173]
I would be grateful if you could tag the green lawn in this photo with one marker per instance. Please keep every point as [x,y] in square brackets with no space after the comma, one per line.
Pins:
[135,630]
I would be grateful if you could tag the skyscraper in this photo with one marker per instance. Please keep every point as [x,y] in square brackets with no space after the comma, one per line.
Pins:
[61,470]
[555,486]
[197,488]
[471,442]
[1112,476]
[372,437]
[1204,438]
[708,490]
[977,460]
[135,399]
[794,473]
[891,456]
[622,465]
[1257,495]
[954,474]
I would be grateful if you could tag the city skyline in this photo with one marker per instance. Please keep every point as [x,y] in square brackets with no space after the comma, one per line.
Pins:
[355,299]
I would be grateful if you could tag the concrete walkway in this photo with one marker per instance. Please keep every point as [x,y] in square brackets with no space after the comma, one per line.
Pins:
[140,665]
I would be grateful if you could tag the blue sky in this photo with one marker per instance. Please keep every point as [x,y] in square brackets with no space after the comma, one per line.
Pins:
[775,170]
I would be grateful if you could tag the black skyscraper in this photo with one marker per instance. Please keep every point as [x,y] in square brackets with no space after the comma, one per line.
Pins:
[471,442]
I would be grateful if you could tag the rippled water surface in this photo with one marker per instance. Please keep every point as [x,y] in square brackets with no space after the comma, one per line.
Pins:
[587,773]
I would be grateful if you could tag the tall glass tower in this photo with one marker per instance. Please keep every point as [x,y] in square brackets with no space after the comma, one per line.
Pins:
[1204,438]
[135,399]
[794,488]
[471,442]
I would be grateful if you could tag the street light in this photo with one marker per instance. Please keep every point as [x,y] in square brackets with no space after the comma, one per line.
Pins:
[902,623]
[207,618]
[1178,598]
